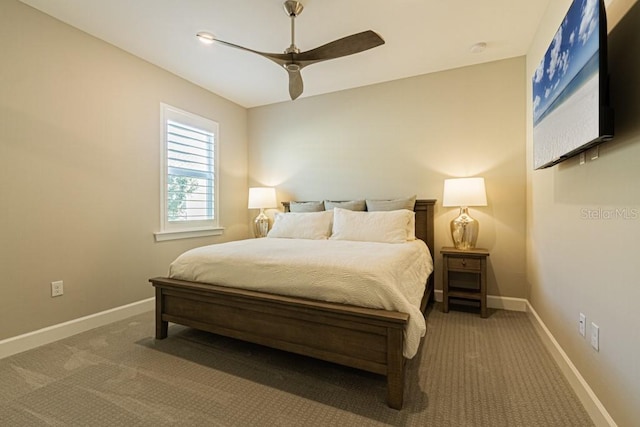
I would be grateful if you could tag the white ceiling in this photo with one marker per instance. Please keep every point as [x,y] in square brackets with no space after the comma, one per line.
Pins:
[422,36]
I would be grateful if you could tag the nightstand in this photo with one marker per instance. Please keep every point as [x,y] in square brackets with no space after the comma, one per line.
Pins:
[465,276]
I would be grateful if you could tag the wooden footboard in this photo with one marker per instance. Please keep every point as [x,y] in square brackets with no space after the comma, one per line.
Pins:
[367,339]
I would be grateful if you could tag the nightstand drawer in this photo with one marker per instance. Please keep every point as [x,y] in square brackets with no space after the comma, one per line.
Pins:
[472,264]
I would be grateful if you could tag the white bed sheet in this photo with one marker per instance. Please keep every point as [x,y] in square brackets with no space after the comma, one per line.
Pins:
[376,275]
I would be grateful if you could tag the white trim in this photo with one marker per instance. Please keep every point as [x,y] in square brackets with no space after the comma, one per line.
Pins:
[498,302]
[507,303]
[30,340]
[592,404]
[161,236]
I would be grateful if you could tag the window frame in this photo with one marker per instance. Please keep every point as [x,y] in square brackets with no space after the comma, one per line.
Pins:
[170,230]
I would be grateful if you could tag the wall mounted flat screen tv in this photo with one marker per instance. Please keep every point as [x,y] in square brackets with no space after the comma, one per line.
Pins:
[570,87]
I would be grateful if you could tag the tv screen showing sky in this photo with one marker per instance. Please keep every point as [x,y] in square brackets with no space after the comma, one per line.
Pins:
[566,86]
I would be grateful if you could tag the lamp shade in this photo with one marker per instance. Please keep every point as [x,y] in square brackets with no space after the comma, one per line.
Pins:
[464,192]
[262,197]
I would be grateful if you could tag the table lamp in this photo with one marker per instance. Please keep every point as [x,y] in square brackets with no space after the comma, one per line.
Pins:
[464,192]
[261,198]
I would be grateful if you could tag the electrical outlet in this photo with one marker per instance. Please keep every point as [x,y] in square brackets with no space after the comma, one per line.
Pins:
[582,324]
[57,288]
[595,337]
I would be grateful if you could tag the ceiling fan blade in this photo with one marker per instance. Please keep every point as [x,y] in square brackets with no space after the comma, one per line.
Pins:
[278,58]
[295,84]
[349,45]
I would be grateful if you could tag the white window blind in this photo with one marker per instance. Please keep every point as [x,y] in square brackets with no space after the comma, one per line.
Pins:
[189,173]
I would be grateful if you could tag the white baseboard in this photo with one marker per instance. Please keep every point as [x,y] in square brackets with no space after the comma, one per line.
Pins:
[28,341]
[502,303]
[592,404]
[507,303]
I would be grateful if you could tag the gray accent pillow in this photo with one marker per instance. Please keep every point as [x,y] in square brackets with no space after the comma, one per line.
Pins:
[391,205]
[352,205]
[306,206]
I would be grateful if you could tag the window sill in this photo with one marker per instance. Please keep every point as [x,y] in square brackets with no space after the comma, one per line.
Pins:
[162,236]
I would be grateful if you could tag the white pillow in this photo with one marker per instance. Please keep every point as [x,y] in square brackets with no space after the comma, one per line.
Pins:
[383,226]
[302,225]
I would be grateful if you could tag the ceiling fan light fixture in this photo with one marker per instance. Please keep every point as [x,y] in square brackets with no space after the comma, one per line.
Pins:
[205,37]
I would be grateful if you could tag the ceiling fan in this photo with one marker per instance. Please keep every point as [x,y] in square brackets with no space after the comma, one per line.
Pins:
[293,60]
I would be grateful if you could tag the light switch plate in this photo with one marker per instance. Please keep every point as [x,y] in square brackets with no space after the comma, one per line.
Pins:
[595,337]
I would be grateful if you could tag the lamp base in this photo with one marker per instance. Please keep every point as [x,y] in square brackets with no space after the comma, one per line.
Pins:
[261,225]
[464,230]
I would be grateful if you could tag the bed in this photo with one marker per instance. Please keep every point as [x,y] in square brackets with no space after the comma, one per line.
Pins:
[370,339]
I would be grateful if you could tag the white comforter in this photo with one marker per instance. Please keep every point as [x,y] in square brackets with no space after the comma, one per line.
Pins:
[377,275]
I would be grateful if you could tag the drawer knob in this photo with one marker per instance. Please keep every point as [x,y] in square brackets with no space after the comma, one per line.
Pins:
[464,262]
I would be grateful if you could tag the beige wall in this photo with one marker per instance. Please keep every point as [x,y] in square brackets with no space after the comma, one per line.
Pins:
[405,137]
[79,170]
[577,265]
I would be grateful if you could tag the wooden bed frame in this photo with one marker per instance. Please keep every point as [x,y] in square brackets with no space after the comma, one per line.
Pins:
[362,338]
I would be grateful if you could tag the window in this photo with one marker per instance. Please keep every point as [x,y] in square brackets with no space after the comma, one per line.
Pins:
[189,175]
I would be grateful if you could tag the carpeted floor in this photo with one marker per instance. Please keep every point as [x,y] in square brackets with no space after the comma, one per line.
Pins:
[469,372]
